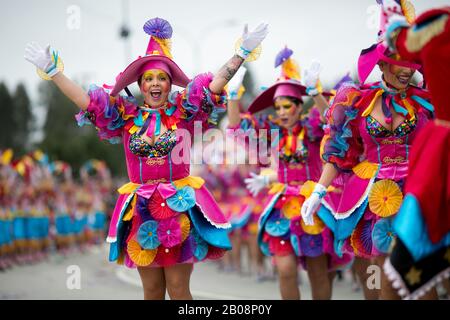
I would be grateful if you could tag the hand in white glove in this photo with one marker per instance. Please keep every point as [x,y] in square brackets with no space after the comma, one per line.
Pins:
[256,183]
[250,40]
[311,77]
[41,58]
[393,11]
[312,203]
[391,7]
[235,83]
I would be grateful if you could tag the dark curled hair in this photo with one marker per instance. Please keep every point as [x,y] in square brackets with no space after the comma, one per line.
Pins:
[139,80]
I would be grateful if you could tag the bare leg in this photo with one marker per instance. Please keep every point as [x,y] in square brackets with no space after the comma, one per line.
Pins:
[430,295]
[361,266]
[177,281]
[256,256]
[387,292]
[287,272]
[225,262]
[153,283]
[317,269]
[446,285]
[331,276]
[355,282]
[236,243]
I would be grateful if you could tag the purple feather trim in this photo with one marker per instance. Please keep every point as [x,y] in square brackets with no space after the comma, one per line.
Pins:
[159,28]
[282,56]
[344,79]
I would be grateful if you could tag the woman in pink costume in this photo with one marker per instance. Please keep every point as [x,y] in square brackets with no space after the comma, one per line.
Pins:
[372,127]
[164,220]
[281,232]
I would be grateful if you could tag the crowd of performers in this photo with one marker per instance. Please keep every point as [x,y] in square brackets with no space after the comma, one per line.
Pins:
[346,185]
[44,210]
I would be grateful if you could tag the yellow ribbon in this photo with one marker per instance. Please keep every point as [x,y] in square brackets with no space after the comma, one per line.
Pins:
[410,109]
[129,187]
[287,146]
[277,187]
[365,169]
[130,210]
[372,103]
[192,181]
[135,128]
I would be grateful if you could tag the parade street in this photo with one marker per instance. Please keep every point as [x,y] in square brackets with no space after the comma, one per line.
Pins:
[99,279]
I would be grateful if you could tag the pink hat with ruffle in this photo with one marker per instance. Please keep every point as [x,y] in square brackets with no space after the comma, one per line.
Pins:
[157,56]
[371,56]
[287,85]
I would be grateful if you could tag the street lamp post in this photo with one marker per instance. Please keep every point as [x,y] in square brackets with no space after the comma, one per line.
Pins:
[195,43]
[124,31]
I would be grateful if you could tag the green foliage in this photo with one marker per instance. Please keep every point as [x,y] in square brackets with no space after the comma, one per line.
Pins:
[24,119]
[6,120]
[16,122]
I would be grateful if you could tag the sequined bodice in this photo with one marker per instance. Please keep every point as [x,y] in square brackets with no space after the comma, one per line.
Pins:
[376,129]
[161,148]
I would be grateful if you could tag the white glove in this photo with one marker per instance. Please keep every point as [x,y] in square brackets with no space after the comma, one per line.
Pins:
[256,183]
[393,11]
[235,83]
[250,40]
[41,58]
[312,203]
[311,78]
[391,7]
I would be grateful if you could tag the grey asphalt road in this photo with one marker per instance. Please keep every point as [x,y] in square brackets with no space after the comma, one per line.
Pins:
[100,279]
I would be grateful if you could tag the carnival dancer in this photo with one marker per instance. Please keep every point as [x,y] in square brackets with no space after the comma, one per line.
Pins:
[7,178]
[372,127]
[297,164]
[252,206]
[165,219]
[96,179]
[420,258]
[63,206]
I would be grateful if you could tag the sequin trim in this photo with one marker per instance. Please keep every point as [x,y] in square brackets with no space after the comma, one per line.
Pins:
[165,143]
[376,129]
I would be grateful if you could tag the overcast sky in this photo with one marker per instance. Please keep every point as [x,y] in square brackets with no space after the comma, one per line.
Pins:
[331,31]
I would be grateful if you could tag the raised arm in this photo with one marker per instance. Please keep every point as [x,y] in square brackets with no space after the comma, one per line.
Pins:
[225,74]
[235,90]
[47,62]
[321,104]
[311,80]
[234,115]
[72,90]
[250,40]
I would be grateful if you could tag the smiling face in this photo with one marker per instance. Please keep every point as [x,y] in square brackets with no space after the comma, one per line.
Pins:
[288,111]
[155,87]
[396,76]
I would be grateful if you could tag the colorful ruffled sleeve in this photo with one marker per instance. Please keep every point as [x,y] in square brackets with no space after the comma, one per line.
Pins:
[343,146]
[313,125]
[108,114]
[198,103]
[249,122]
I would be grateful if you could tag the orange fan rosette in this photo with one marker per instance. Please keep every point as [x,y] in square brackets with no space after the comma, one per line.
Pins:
[385,198]
[140,256]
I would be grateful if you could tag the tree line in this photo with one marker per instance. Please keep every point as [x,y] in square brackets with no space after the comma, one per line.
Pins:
[62,138]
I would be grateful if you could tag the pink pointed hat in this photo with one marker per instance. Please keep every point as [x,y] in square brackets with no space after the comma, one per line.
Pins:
[157,56]
[287,85]
[371,56]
